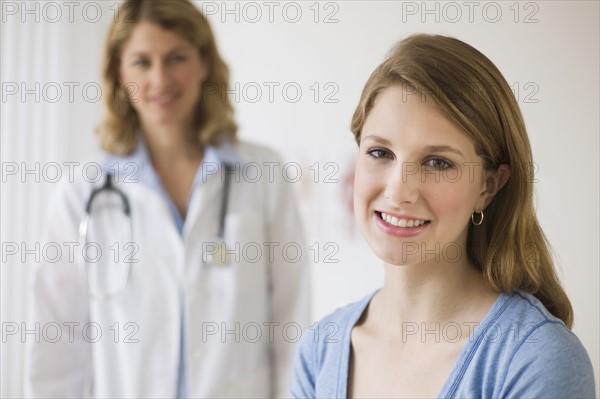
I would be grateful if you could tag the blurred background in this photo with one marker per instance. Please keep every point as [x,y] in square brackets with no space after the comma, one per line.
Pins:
[297,71]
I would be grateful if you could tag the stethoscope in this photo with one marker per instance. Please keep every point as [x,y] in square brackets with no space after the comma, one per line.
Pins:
[216,258]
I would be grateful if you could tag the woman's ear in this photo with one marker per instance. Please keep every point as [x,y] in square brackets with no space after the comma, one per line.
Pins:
[495,180]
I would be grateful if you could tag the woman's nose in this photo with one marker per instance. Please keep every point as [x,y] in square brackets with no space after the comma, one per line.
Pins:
[159,75]
[402,183]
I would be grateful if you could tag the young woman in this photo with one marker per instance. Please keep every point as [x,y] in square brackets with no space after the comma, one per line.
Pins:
[471,305]
[191,291]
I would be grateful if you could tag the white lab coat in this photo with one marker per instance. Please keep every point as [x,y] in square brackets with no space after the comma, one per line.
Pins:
[235,315]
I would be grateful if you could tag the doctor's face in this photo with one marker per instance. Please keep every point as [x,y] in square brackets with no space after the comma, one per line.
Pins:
[162,73]
[417,181]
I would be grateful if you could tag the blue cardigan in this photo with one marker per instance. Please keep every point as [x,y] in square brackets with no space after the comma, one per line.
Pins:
[519,350]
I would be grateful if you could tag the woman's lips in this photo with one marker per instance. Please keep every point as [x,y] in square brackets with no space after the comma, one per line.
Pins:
[401,226]
[163,100]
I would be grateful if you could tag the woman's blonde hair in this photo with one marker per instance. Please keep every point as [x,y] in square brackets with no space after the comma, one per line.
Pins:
[509,246]
[214,113]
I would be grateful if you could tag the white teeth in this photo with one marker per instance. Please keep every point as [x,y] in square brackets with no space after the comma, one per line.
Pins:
[394,221]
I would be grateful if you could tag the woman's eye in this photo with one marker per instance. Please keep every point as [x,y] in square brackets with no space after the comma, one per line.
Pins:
[379,153]
[438,164]
[141,63]
[177,58]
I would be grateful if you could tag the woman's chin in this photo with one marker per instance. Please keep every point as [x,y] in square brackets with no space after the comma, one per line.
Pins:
[164,120]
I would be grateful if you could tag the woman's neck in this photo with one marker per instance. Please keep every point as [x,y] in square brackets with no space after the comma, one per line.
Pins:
[175,157]
[432,293]
[168,145]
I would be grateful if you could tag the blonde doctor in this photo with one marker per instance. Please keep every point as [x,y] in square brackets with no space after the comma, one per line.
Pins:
[194,279]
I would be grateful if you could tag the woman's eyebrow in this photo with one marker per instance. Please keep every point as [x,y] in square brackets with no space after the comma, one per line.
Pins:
[443,148]
[142,53]
[182,48]
[378,139]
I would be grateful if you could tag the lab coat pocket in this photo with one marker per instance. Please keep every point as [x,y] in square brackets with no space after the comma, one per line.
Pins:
[245,250]
[106,253]
[235,265]
[244,227]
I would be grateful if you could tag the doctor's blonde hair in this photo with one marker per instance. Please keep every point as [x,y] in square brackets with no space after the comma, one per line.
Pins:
[214,113]
[509,246]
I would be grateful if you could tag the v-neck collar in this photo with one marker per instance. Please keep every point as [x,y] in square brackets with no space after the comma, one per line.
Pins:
[460,365]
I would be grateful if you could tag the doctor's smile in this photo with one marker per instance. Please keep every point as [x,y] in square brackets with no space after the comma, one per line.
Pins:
[163,100]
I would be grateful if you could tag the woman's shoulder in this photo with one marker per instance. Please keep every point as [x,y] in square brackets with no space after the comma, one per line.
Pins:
[528,352]
[519,323]
[327,336]
[525,306]
[65,202]
[80,178]
[340,320]
[324,347]
[344,317]
[522,318]
[76,183]
[546,353]
[249,151]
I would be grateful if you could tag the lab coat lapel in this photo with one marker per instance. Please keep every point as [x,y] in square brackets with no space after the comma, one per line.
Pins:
[205,206]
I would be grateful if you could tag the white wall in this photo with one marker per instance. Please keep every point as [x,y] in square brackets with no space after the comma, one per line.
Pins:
[548,50]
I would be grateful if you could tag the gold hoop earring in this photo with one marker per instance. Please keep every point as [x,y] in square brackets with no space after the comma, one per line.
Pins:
[480,220]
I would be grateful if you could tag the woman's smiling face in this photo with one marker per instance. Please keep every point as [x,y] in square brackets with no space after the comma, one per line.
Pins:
[164,73]
[418,180]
